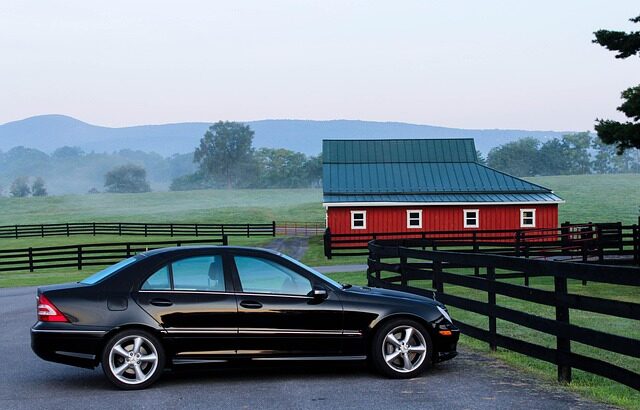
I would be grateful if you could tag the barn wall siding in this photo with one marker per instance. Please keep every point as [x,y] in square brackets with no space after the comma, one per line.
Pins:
[439,218]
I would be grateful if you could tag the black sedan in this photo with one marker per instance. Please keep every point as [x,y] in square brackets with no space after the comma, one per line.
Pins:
[207,304]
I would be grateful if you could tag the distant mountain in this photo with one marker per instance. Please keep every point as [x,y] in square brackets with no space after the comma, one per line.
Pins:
[48,132]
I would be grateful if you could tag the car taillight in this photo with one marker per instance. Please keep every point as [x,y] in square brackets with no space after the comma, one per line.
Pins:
[48,312]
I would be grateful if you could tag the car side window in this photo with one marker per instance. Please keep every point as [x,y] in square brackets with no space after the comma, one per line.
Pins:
[258,275]
[158,281]
[199,273]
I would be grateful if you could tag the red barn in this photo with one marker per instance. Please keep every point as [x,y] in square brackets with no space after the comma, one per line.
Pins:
[378,186]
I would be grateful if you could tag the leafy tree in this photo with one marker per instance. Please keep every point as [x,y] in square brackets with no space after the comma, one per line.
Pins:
[281,168]
[224,152]
[518,158]
[127,178]
[20,187]
[481,159]
[603,157]
[67,152]
[575,148]
[624,135]
[313,170]
[38,188]
[552,158]
[191,182]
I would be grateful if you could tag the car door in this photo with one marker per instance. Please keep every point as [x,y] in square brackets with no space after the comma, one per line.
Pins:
[192,298]
[277,312]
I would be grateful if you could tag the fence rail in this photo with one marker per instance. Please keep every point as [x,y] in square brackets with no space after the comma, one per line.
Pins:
[137,229]
[408,265]
[289,228]
[583,242]
[82,255]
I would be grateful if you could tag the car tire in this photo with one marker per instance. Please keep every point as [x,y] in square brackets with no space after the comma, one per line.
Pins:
[401,349]
[133,359]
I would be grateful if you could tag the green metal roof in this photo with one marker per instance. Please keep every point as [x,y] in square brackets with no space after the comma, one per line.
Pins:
[418,171]
[394,151]
[446,198]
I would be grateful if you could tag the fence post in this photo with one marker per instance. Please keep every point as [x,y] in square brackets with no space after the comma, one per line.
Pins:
[80,257]
[600,243]
[517,244]
[327,243]
[145,230]
[171,230]
[225,240]
[476,248]
[128,250]
[436,282]
[564,237]
[273,228]
[403,274]
[491,294]
[119,228]
[635,230]
[196,227]
[563,344]
[30,259]
[526,256]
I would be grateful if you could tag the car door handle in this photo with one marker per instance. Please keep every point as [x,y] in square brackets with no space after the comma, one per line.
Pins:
[250,304]
[161,302]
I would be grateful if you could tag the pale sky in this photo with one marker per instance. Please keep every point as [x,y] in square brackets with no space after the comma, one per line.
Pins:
[467,64]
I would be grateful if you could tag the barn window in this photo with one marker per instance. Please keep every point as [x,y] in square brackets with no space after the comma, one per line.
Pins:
[358,219]
[414,218]
[471,218]
[527,218]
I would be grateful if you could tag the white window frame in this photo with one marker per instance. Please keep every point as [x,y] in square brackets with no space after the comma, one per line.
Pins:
[364,219]
[533,217]
[464,215]
[409,212]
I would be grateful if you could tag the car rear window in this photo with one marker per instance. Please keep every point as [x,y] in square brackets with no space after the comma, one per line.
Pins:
[105,273]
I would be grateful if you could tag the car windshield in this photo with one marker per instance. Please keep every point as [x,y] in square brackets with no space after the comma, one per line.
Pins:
[98,276]
[315,272]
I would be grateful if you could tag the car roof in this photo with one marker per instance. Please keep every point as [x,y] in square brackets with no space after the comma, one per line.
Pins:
[176,249]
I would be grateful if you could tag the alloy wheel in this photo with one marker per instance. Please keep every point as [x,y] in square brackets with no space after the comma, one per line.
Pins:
[404,349]
[133,359]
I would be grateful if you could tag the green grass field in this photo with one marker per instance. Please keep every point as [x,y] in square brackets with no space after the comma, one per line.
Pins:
[597,198]
[589,198]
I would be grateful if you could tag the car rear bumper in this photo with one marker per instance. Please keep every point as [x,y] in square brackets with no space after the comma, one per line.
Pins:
[75,347]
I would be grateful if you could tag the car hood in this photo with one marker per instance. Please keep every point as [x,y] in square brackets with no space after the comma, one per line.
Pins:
[391,294]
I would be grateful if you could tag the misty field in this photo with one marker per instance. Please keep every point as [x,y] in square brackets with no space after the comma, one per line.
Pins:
[589,198]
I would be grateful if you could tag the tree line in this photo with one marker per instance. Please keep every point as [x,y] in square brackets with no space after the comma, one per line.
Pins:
[226,158]
[573,154]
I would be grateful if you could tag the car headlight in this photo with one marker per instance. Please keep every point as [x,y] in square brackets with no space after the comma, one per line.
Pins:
[445,314]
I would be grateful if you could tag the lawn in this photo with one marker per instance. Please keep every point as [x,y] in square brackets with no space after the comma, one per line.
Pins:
[205,206]
[589,198]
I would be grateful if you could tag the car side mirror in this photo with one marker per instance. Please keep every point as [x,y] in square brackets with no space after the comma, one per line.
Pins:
[319,293]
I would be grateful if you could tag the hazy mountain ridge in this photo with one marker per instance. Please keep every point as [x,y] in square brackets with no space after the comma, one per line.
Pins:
[48,132]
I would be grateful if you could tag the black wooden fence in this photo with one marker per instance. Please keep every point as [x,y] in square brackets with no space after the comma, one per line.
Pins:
[79,256]
[137,229]
[585,242]
[409,265]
